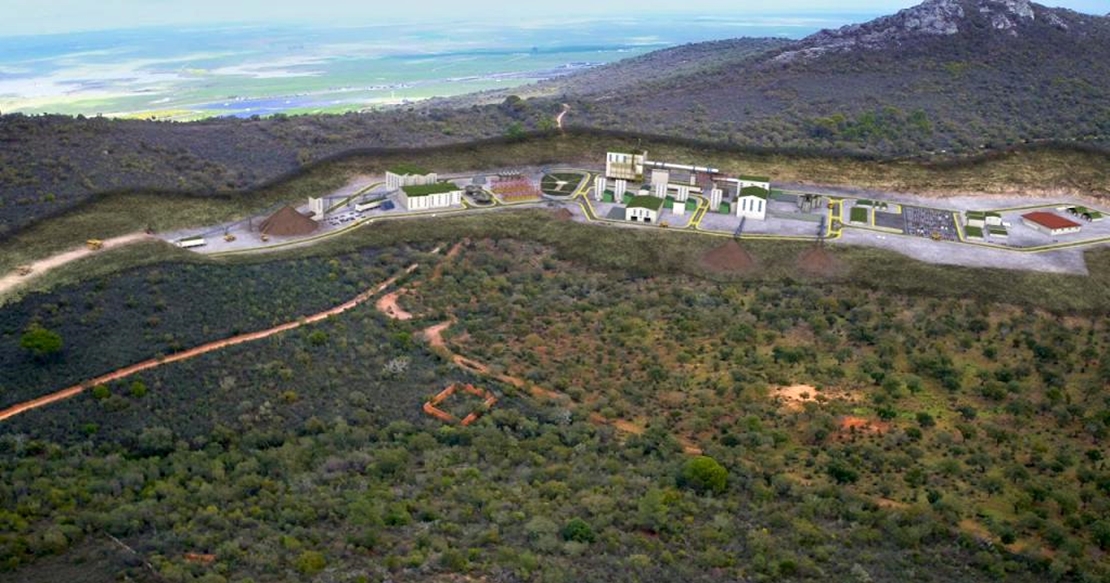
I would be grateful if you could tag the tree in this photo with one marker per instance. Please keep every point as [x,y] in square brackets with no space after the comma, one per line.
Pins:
[704,474]
[515,131]
[41,342]
[579,530]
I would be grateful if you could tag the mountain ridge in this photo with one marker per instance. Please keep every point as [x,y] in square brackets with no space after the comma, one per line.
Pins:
[938,18]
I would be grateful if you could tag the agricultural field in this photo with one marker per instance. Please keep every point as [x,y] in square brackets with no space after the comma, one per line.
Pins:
[844,433]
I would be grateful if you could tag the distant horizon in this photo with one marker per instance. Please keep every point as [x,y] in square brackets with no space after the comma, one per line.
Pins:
[29,18]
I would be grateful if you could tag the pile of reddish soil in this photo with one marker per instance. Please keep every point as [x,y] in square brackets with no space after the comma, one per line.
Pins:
[858,425]
[730,257]
[818,261]
[563,215]
[287,222]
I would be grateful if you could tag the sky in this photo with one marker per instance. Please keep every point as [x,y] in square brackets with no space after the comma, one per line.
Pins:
[34,17]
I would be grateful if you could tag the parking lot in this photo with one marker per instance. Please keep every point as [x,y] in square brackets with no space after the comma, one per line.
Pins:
[930,223]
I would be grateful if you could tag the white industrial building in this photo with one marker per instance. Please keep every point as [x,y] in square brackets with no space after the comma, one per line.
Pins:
[316,208]
[643,209]
[431,196]
[751,203]
[407,175]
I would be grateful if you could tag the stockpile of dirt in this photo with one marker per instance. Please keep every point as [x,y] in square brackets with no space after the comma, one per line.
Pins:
[727,258]
[287,222]
[818,261]
[563,215]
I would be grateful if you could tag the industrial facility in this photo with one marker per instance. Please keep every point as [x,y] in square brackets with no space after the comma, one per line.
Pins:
[431,196]
[744,196]
[402,175]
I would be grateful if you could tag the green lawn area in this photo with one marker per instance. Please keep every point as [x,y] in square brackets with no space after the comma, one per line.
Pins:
[725,208]
[973,232]
[860,215]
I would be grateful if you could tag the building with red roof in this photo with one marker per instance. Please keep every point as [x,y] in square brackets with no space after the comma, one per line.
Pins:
[1050,224]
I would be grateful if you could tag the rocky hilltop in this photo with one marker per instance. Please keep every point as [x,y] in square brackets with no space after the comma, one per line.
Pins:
[939,18]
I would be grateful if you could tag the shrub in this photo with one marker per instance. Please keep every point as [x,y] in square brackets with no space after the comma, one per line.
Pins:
[41,342]
[704,474]
[311,562]
[579,530]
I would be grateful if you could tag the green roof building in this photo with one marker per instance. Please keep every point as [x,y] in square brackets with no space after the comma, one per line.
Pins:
[643,209]
[431,196]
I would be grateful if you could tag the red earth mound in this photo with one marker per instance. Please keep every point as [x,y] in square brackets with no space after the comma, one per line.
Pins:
[818,261]
[563,215]
[730,257]
[287,222]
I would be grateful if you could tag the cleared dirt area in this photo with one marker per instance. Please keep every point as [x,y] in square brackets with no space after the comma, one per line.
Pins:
[389,306]
[728,258]
[13,280]
[794,397]
[850,424]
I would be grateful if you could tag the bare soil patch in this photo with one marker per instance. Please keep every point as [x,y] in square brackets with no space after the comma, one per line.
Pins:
[851,424]
[389,306]
[728,258]
[795,397]
[818,261]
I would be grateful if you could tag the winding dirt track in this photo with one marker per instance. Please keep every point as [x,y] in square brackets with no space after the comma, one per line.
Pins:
[13,280]
[198,351]
[562,114]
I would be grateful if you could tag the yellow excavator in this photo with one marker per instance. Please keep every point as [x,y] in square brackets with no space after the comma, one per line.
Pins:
[94,244]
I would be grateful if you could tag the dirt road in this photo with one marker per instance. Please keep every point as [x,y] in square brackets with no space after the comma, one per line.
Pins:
[14,280]
[562,114]
[198,351]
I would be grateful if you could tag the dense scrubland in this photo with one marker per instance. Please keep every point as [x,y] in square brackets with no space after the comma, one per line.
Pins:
[944,435]
[147,312]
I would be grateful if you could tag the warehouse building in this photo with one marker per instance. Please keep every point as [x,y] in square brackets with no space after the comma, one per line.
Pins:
[644,209]
[1051,224]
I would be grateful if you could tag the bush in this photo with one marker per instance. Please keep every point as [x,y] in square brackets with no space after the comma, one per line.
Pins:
[704,474]
[41,342]
[311,562]
[579,530]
